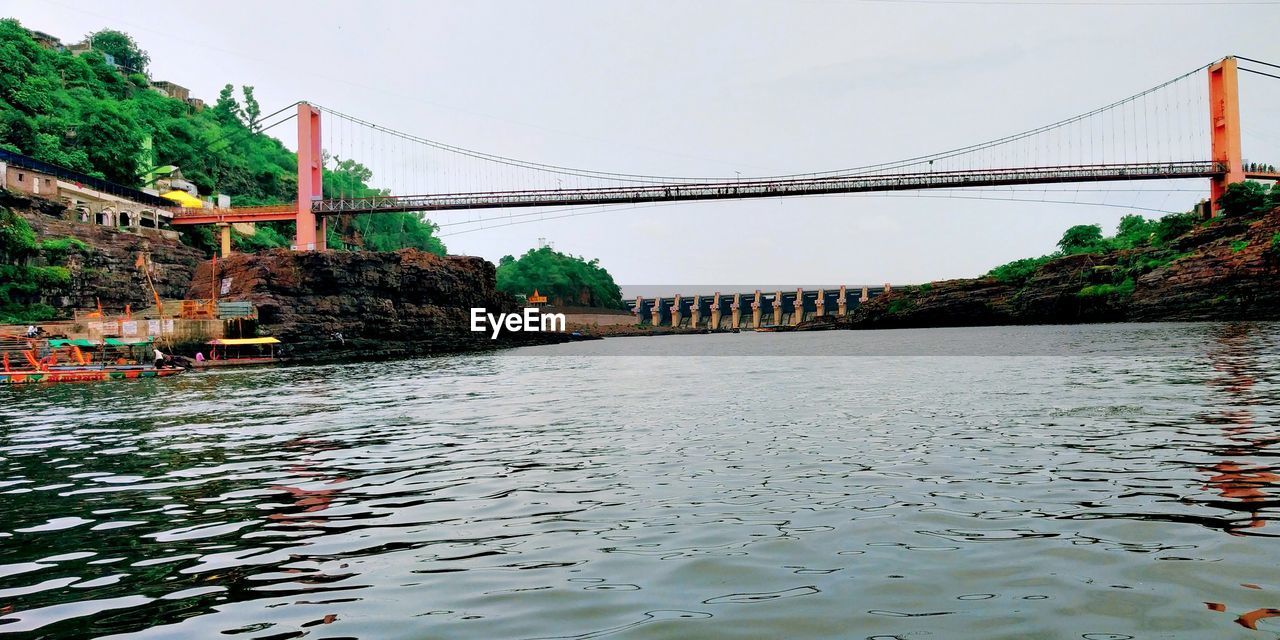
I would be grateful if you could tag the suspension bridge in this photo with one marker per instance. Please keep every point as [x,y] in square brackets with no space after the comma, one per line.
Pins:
[1157,134]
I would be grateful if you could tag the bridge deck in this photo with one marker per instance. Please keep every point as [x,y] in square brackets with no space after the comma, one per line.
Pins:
[724,190]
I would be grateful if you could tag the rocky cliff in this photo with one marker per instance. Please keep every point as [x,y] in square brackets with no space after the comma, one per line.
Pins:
[1227,270]
[108,270]
[382,303]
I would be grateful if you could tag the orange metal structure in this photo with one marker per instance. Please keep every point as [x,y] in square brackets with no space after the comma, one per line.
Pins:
[1224,127]
[198,309]
[311,233]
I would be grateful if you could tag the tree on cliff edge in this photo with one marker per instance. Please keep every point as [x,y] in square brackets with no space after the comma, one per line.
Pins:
[565,279]
[120,46]
[1081,238]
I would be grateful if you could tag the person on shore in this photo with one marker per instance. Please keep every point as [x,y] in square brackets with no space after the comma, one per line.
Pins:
[159,358]
[32,331]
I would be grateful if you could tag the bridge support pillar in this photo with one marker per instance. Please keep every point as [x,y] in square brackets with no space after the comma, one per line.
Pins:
[735,310]
[865,295]
[224,230]
[695,312]
[755,310]
[777,308]
[676,316]
[1224,127]
[842,305]
[798,315]
[310,176]
[821,304]
[715,311]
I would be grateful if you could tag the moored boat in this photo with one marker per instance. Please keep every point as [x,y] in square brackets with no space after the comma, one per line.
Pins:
[84,374]
[63,360]
[239,352]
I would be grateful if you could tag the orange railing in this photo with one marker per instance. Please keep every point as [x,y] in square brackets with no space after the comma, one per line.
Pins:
[183,212]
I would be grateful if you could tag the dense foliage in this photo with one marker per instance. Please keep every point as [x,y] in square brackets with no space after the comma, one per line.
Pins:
[120,46]
[1242,200]
[1133,232]
[564,279]
[21,283]
[1249,198]
[82,113]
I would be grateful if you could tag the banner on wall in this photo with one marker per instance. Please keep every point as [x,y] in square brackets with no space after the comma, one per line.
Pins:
[153,327]
[129,328]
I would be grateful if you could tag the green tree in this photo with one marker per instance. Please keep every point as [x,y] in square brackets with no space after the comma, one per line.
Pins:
[565,279]
[226,108]
[1134,231]
[1172,226]
[112,140]
[1082,238]
[1246,198]
[17,239]
[120,46]
[1019,271]
[252,112]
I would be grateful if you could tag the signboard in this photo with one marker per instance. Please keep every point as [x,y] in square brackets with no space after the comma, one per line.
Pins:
[95,327]
[129,328]
[168,325]
[226,286]
[153,327]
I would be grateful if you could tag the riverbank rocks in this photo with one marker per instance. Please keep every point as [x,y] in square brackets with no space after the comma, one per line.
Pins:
[1225,271]
[404,302]
[108,271]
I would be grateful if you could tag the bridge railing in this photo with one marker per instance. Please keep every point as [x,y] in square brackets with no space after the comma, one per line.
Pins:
[185,212]
[768,188]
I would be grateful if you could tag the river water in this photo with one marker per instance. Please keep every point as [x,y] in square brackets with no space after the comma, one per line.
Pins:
[1045,482]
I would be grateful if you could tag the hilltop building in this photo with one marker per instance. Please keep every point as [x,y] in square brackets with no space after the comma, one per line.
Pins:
[81,48]
[172,90]
[47,41]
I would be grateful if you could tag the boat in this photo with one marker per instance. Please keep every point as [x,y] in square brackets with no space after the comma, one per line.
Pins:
[115,360]
[239,352]
[85,374]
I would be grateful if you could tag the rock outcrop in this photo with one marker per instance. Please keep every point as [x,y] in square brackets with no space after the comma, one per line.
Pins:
[108,271]
[1232,273]
[382,303]
[1226,271]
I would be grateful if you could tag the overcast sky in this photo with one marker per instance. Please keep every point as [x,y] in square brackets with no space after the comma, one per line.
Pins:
[714,88]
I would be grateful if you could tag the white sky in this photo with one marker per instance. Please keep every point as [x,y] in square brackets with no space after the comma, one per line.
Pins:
[714,87]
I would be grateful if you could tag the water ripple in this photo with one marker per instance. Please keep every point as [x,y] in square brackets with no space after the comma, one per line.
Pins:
[493,496]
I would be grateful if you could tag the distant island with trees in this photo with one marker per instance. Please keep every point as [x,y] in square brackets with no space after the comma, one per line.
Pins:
[566,280]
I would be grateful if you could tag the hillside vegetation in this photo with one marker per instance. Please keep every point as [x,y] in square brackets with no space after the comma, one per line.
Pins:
[82,113]
[1241,201]
[564,279]
[22,282]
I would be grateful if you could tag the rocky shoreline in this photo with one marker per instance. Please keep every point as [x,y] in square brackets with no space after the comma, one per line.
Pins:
[347,305]
[1226,270]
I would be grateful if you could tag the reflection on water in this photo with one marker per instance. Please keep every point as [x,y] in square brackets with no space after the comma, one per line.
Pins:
[1238,364]
[1115,495]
